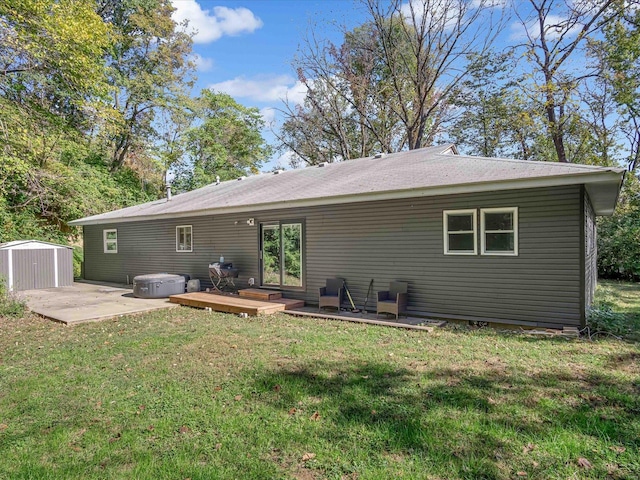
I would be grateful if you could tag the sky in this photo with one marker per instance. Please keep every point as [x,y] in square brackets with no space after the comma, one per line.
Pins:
[246,48]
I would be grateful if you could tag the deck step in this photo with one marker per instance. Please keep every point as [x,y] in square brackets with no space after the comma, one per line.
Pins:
[289,303]
[260,294]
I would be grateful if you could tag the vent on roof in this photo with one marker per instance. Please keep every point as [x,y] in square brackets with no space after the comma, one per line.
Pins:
[379,155]
[323,164]
[277,172]
[241,178]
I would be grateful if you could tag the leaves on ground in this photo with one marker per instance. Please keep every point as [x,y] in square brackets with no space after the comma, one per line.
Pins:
[584,463]
[308,456]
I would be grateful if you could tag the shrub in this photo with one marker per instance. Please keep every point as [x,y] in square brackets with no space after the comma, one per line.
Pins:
[601,318]
[619,236]
[78,258]
[10,304]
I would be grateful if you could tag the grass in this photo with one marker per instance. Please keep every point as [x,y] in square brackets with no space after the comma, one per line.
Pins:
[616,310]
[190,394]
[624,295]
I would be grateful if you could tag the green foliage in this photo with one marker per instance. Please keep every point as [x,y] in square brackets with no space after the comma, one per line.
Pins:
[619,236]
[54,45]
[622,63]
[602,318]
[56,59]
[10,305]
[150,70]
[226,142]
[78,259]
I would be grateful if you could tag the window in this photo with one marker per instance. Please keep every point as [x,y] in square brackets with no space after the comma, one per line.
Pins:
[499,228]
[110,238]
[184,238]
[460,235]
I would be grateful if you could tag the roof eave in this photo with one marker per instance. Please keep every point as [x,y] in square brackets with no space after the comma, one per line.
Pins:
[610,181]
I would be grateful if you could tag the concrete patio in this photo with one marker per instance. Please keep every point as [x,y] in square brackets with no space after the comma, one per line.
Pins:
[89,302]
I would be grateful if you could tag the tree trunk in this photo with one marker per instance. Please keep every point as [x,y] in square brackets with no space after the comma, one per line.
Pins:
[555,122]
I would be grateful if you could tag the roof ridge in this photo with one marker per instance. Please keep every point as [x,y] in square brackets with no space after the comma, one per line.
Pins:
[536,162]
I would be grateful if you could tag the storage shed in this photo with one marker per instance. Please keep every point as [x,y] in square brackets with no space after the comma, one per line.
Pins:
[30,264]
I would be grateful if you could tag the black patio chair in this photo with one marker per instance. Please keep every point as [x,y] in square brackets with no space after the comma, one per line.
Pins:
[394,300]
[331,294]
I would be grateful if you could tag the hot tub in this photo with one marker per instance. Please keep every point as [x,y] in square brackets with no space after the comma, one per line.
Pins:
[158,285]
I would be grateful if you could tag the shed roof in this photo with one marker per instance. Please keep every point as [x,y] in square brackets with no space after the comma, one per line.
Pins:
[30,244]
[424,172]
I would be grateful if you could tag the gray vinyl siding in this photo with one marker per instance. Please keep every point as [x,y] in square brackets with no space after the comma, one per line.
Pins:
[391,240]
[590,252]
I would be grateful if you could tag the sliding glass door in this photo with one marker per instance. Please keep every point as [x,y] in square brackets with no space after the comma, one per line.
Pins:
[281,254]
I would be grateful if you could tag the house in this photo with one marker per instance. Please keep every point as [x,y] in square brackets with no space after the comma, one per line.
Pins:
[479,239]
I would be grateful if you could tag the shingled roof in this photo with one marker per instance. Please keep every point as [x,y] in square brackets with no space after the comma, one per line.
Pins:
[424,172]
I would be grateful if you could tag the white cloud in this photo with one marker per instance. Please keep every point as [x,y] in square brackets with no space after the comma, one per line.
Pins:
[286,160]
[211,24]
[442,13]
[264,89]
[268,115]
[554,27]
[489,3]
[203,64]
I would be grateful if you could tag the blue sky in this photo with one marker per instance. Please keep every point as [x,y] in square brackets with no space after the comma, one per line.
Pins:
[245,48]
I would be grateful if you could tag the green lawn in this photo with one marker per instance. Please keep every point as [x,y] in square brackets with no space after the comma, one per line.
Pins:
[189,394]
[624,295]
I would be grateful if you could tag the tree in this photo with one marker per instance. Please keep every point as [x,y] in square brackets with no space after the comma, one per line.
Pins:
[54,42]
[388,86]
[149,70]
[53,84]
[619,236]
[621,52]
[554,32]
[225,142]
[493,118]
[51,75]
[619,56]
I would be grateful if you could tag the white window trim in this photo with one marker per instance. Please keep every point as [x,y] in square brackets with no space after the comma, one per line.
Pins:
[178,238]
[106,241]
[514,212]
[445,223]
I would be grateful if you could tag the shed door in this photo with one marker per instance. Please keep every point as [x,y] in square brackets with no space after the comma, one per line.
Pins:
[33,269]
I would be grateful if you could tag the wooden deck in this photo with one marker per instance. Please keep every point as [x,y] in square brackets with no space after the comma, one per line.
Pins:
[411,323]
[234,303]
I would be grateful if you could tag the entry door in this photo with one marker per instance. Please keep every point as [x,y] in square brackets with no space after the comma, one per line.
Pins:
[281,254]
